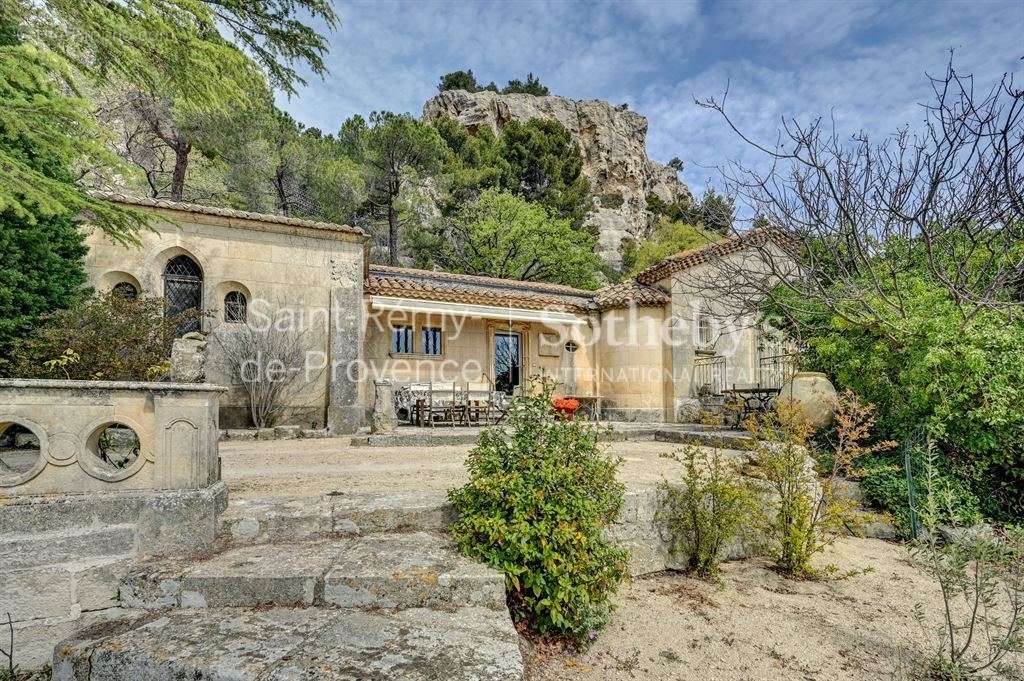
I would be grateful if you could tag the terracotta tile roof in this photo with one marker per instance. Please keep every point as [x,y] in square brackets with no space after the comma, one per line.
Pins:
[631,293]
[229,213]
[704,254]
[383,280]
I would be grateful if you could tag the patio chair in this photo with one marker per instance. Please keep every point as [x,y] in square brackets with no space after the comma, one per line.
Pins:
[478,396]
[443,401]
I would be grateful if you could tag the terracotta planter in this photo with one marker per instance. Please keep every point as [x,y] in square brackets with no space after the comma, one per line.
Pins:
[815,394]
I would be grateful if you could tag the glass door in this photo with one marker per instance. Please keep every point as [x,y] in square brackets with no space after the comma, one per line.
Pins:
[507,361]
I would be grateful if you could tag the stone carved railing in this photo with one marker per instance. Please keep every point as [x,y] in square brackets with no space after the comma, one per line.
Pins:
[76,437]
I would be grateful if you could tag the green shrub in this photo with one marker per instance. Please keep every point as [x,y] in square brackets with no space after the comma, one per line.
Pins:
[540,496]
[711,507]
[931,373]
[980,575]
[802,513]
[108,337]
[885,484]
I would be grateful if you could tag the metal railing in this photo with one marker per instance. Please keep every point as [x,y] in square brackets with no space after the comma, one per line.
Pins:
[708,375]
[774,370]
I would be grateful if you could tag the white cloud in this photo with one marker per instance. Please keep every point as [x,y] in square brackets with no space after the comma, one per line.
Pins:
[863,61]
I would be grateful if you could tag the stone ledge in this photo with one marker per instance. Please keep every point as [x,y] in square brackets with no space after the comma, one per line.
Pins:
[49,384]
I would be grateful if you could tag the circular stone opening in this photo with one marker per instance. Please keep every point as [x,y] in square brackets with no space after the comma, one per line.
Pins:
[116,445]
[19,449]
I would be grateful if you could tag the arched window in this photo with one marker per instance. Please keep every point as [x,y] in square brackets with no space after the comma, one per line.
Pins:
[236,307]
[183,290]
[126,290]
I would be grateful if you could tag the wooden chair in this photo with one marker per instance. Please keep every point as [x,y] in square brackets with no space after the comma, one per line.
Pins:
[443,402]
[478,397]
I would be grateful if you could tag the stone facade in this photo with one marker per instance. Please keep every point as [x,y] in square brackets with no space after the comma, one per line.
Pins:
[302,274]
[638,345]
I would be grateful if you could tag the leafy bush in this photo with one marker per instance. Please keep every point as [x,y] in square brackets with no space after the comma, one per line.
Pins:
[711,507]
[108,337]
[885,483]
[931,373]
[540,496]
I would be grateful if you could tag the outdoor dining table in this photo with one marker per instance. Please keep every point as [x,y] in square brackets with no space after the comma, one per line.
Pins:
[753,400]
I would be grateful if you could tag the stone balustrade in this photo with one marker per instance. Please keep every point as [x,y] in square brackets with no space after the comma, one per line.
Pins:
[79,437]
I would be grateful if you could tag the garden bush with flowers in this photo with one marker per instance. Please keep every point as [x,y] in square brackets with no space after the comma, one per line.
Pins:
[540,496]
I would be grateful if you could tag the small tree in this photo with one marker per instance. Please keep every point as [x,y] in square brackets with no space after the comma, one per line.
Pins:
[540,496]
[532,86]
[980,573]
[269,363]
[503,235]
[803,514]
[397,150]
[710,508]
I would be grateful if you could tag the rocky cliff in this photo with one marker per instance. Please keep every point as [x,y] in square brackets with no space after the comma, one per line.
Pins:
[612,140]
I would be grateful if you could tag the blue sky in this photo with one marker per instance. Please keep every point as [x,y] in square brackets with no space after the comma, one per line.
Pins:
[863,62]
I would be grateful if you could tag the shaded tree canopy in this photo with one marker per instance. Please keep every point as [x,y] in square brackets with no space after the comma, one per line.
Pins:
[43,250]
[503,235]
[180,46]
[465,80]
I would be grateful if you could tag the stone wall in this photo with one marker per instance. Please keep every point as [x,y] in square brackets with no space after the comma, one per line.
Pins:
[100,474]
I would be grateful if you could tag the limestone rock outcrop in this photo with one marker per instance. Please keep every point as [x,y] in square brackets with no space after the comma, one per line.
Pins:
[612,140]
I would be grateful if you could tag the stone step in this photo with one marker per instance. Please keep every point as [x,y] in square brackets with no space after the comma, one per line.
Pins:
[720,439]
[61,546]
[375,571]
[255,521]
[287,644]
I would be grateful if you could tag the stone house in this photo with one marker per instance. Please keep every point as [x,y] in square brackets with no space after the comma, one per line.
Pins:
[646,347]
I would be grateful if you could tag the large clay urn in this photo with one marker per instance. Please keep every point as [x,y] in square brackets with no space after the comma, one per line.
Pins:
[815,394]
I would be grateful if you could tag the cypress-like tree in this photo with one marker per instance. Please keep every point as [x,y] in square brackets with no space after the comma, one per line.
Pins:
[41,269]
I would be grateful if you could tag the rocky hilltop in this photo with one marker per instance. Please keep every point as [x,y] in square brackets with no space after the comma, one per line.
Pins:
[612,141]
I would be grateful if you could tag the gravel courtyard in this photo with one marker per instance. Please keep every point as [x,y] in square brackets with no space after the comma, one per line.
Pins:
[761,626]
[755,625]
[312,467]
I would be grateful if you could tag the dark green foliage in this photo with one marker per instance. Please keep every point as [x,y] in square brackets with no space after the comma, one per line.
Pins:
[42,250]
[885,484]
[463,80]
[396,152]
[532,86]
[545,166]
[537,160]
[42,270]
[503,235]
[713,213]
[106,337]
[540,497]
[932,373]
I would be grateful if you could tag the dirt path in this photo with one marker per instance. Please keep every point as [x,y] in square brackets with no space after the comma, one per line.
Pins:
[312,467]
[759,625]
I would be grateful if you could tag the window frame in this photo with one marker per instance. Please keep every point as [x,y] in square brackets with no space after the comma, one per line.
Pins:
[411,339]
[229,306]
[425,333]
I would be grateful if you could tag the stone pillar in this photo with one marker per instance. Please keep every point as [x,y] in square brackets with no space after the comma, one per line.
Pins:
[344,413]
[384,419]
[188,358]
